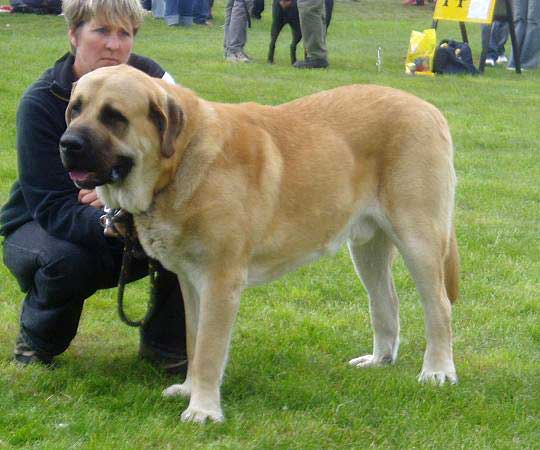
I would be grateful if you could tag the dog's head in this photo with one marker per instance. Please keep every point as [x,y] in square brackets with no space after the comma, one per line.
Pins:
[122,125]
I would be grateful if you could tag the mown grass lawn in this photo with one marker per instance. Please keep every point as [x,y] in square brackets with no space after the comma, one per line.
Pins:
[287,385]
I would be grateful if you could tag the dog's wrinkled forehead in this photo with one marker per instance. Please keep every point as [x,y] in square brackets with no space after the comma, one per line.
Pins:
[110,91]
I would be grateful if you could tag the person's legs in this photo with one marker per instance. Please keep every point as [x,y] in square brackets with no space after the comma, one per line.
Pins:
[497,40]
[312,22]
[236,28]
[57,276]
[499,36]
[530,49]
[519,10]
[158,8]
[185,11]
[486,41]
[226,25]
[201,11]
[163,336]
[172,14]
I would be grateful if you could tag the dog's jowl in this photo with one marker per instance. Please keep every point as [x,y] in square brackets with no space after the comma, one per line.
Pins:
[228,196]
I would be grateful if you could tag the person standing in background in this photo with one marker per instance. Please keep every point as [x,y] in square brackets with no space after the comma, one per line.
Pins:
[313,25]
[527,25]
[201,12]
[237,21]
[495,49]
[179,13]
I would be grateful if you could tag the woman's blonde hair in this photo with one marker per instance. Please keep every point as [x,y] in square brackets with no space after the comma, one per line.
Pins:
[77,12]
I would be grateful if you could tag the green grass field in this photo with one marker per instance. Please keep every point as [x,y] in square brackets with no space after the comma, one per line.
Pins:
[288,385]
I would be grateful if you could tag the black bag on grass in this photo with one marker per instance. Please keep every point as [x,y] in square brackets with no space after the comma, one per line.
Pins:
[453,57]
[37,6]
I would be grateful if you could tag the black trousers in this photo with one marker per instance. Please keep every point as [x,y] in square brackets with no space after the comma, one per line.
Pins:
[57,276]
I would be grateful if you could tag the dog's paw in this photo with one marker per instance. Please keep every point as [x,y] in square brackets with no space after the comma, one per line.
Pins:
[370,361]
[177,390]
[438,378]
[199,415]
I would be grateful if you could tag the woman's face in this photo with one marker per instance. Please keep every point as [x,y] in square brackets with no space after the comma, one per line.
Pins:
[99,44]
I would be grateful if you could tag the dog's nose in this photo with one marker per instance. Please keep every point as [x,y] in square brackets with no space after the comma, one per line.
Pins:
[71,143]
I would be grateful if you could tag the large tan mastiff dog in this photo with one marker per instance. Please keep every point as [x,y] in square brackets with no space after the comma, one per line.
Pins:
[228,196]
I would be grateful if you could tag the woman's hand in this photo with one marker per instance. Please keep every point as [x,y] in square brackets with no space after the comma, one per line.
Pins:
[89,197]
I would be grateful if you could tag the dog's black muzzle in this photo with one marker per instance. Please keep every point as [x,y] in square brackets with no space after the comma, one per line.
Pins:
[89,160]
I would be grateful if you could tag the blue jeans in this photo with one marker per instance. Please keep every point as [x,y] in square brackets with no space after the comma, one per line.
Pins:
[57,276]
[201,11]
[499,36]
[158,8]
[527,25]
[179,12]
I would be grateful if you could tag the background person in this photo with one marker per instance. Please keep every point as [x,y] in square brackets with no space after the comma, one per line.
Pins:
[54,244]
[237,20]
[179,13]
[313,24]
[201,12]
[499,35]
[527,25]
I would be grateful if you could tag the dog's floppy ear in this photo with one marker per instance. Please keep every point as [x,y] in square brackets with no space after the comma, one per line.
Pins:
[169,123]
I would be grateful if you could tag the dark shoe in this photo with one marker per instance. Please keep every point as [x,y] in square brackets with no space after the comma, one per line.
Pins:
[311,63]
[25,354]
[205,23]
[170,363]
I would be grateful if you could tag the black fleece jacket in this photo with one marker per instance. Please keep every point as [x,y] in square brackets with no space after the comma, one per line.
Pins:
[44,191]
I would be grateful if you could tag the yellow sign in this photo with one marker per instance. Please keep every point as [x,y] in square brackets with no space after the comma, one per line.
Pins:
[479,11]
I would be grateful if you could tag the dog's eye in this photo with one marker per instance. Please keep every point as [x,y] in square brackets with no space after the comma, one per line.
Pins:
[113,119]
[76,109]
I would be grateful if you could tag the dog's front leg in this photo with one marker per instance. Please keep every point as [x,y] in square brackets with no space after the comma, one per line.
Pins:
[191,306]
[218,307]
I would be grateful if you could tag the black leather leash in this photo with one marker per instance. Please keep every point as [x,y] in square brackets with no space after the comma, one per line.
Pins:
[112,220]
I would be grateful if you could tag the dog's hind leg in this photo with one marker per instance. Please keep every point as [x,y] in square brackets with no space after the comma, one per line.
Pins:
[296,38]
[277,25]
[373,263]
[425,248]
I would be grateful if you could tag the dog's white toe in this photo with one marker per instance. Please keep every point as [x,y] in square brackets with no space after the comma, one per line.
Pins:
[197,415]
[437,378]
[177,390]
[370,361]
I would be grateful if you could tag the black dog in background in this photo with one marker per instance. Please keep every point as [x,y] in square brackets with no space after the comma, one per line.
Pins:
[286,12]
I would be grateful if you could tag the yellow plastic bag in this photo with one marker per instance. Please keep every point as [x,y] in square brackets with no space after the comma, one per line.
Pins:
[421,50]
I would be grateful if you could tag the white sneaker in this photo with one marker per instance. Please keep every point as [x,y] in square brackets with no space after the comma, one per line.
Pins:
[490,62]
[502,60]
[242,57]
[238,57]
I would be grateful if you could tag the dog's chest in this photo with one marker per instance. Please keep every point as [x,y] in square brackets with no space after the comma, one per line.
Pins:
[159,239]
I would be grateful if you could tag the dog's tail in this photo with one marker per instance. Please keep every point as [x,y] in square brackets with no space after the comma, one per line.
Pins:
[451,268]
